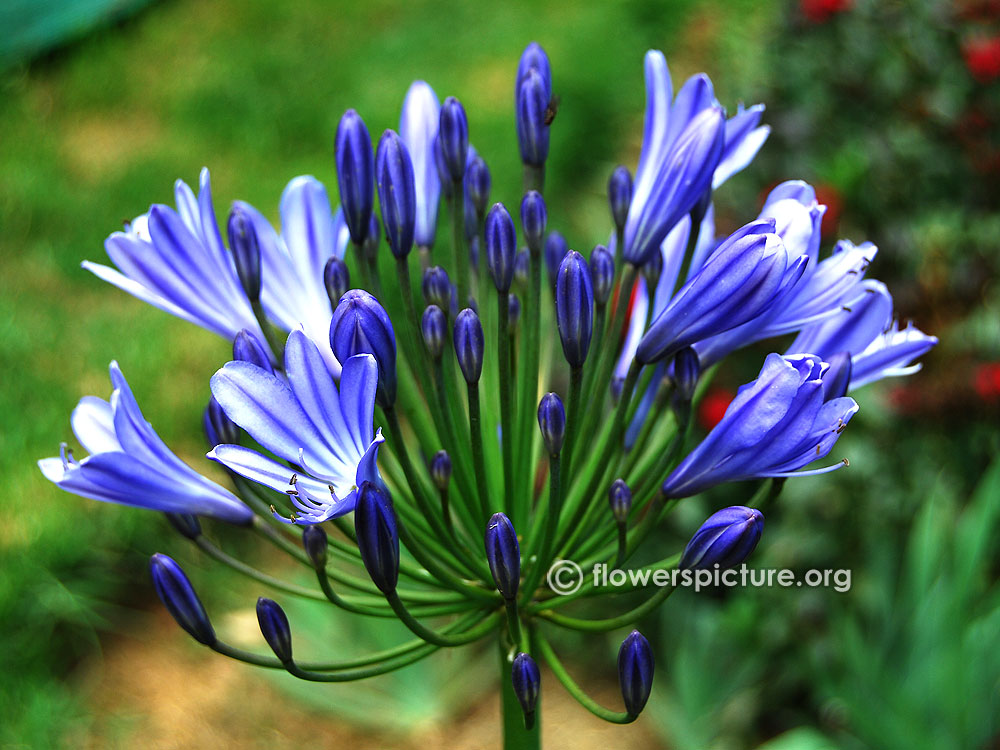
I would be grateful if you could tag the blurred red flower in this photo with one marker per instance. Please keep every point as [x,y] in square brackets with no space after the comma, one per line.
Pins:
[829,196]
[820,11]
[982,57]
[986,381]
[713,406]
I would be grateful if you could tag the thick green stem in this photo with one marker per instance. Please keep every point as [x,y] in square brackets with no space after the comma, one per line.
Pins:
[573,426]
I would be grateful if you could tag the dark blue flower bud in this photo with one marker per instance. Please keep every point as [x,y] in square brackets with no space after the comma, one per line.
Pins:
[369,248]
[219,428]
[526,680]
[652,269]
[837,378]
[314,543]
[274,627]
[574,308]
[533,218]
[533,118]
[635,672]
[186,524]
[355,174]
[503,555]
[444,175]
[602,274]
[469,345]
[453,137]
[556,248]
[501,246]
[436,287]
[247,347]
[686,373]
[361,326]
[620,196]
[434,327]
[474,253]
[620,499]
[534,57]
[378,537]
[552,422]
[513,311]
[336,279]
[477,184]
[178,596]
[441,470]
[246,252]
[726,539]
[397,192]
[522,267]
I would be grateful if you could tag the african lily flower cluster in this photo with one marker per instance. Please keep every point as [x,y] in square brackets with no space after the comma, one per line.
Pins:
[392,421]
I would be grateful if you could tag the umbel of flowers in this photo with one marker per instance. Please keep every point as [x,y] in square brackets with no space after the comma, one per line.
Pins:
[389,419]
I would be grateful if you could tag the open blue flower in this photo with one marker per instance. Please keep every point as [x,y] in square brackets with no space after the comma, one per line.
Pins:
[306,422]
[129,464]
[776,425]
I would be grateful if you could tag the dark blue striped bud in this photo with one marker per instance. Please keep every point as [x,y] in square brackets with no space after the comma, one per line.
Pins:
[434,328]
[219,428]
[355,174]
[503,555]
[314,543]
[651,271]
[247,347]
[501,246]
[552,422]
[525,678]
[574,308]
[556,248]
[513,312]
[602,274]
[246,252]
[453,137]
[477,184]
[469,345]
[361,326]
[186,524]
[522,268]
[534,57]
[620,196]
[336,279]
[441,470]
[687,370]
[444,175]
[274,627]
[397,192]
[620,499]
[635,672]
[436,287]
[726,539]
[533,117]
[837,378]
[533,218]
[378,537]
[178,596]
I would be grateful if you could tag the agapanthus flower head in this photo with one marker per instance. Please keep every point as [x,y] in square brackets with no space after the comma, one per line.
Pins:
[725,539]
[775,426]
[501,246]
[396,192]
[635,672]
[378,536]
[355,174]
[360,325]
[274,627]
[180,599]
[130,465]
[418,127]
[307,421]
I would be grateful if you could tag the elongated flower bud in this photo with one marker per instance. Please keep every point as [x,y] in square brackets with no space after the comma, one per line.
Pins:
[396,192]
[686,373]
[837,379]
[477,184]
[620,196]
[726,539]
[503,555]
[433,328]
[274,627]
[526,679]
[620,499]
[248,348]
[602,274]
[453,137]
[513,312]
[378,537]
[436,287]
[246,252]
[361,326]
[336,280]
[418,124]
[574,308]
[652,269]
[522,268]
[355,174]
[178,596]
[469,345]
[534,216]
[219,428]
[314,543]
[187,524]
[552,422]
[556,248]
[635,672]
[532,110]
[501,246]
[534,57]
[441,470]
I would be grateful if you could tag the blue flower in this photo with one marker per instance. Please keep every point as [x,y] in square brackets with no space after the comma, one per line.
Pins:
[305,422]
[418,127]
[776,425]
[867,330]
[129,464]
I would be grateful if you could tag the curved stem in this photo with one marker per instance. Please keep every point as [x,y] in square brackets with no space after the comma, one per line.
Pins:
[433,636]
[611,623]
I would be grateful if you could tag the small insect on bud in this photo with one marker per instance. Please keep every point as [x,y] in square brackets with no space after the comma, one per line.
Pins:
[503,554]
[726,539]
[274,627]
[635,672]
[178,596]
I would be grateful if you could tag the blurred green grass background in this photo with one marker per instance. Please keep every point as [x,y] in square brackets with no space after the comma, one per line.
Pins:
[92,132]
